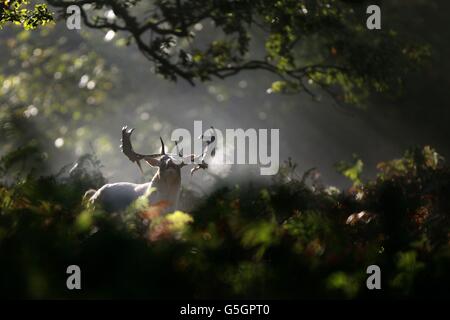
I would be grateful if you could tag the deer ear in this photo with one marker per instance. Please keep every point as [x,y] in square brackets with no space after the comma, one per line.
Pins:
[153,162]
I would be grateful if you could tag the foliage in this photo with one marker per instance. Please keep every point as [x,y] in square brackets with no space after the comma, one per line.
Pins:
[314,47]
[352,171]
[282,240]
[20,13]
[50,88]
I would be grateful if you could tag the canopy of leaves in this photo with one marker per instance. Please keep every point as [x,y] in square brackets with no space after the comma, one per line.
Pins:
[311,46]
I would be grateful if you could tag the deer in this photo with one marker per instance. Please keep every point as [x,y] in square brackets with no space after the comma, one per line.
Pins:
[164,187]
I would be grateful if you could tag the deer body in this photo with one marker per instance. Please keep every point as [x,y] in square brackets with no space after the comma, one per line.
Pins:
[164,187]
[116,197]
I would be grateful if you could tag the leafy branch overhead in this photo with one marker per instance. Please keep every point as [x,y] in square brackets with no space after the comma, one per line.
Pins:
[21,12]
[310,46]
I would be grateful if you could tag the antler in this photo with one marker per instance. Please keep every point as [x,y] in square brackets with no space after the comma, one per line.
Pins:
[134,157]
[127,149]
[203,164]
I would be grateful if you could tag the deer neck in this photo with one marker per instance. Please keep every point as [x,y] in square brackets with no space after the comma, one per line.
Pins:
[170,189]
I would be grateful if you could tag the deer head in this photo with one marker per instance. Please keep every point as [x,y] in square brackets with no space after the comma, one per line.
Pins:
[168,164]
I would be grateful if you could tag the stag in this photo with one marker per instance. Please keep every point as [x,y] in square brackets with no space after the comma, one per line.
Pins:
[164,187]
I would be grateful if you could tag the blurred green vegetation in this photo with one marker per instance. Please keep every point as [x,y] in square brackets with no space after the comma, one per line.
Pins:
[290,239]
[51,86]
